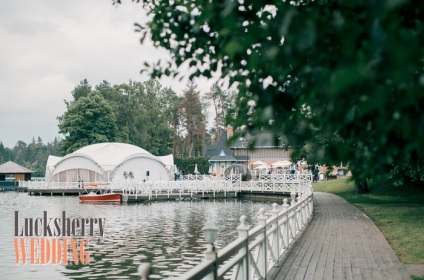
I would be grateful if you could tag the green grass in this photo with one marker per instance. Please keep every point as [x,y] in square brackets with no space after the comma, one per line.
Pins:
[397,211]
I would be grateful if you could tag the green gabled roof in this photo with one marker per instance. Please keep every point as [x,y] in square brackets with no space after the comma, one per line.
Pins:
[12,168]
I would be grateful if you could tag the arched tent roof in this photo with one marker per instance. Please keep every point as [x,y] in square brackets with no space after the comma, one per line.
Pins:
[105,159]
[109,155]
[167,160]
[51,162]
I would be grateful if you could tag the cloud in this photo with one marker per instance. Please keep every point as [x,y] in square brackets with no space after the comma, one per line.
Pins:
[49,46]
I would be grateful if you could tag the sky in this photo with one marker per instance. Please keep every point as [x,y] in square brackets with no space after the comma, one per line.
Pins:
[48,46]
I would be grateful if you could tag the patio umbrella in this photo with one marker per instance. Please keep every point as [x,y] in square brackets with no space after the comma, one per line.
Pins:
[210,169]
[263,166]
[258,162]
[282,163]
[195,170]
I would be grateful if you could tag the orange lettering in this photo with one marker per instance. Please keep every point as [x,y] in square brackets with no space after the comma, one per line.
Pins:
[34,250]
[56,251]
[16,242]
[45,251]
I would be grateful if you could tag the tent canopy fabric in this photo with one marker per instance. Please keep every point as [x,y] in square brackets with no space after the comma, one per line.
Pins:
[108,162]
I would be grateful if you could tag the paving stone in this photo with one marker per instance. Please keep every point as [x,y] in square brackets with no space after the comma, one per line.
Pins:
[340,242]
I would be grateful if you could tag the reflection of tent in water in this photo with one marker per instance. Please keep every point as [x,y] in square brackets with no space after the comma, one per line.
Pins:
[237,169]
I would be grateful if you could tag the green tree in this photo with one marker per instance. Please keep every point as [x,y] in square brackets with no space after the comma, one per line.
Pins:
[88,120]
[221,101]
[187,165]
[83,89]
[6,154]
[358,66]
[146,113]
[114,95]
[193,120]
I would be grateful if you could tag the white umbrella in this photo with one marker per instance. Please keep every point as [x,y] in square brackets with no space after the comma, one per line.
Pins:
[259,162]
[302,162]
[263,166]
[282,163]
[210,169]
[195,170]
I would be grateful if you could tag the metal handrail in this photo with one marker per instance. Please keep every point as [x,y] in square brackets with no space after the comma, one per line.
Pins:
[256,251]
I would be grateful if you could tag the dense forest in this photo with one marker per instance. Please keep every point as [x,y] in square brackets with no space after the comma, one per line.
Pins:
[32,156]
[144,114]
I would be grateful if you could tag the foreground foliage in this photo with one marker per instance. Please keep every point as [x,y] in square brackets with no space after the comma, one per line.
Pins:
[354,68]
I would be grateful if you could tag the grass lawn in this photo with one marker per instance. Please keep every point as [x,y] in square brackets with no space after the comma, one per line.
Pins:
[397,211]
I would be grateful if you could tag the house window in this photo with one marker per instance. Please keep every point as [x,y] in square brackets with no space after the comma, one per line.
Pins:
[222,153]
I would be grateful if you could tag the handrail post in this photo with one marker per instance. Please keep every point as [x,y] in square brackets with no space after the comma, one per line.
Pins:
[262,250]
[293,197]
[241,271]
[276,243]
[285,221]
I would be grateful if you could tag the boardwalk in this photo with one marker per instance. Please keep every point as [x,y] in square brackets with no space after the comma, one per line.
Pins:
[340,243]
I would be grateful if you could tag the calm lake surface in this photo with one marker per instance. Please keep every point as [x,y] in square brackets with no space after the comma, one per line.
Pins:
[167,234]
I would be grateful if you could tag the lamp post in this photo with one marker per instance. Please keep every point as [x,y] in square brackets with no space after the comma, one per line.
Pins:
[210,229]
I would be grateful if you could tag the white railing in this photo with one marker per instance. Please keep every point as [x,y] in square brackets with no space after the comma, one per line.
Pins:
[168,188]
[43,185]
[275,187]
[258,172]
[274,183]
[285,177]
[196,177]
[256,251]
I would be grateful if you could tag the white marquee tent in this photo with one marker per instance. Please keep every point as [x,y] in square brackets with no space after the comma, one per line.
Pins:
[108,162]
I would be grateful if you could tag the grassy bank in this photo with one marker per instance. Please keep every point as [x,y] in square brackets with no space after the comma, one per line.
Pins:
[397,211]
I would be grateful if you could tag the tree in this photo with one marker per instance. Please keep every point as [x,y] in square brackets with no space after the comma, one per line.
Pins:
[83,89]
[33,156]
[146,113]
[358,66]
[193,120]
[6,154]
[88,120]
[222,101]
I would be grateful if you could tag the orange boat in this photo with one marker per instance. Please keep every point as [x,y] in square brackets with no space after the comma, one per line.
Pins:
[106,197]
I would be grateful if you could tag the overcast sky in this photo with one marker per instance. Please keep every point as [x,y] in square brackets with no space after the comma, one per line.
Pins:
[48,46]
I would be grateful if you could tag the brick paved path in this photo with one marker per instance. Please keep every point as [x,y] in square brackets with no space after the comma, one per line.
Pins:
[340,242]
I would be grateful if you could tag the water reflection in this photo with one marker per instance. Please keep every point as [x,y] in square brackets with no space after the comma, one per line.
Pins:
[167,234]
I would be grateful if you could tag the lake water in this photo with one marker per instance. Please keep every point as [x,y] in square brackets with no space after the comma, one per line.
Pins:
[167,234]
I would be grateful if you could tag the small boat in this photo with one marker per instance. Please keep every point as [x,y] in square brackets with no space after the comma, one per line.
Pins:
[106,197]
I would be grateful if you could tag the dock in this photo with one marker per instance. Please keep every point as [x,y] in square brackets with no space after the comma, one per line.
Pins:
[269,187]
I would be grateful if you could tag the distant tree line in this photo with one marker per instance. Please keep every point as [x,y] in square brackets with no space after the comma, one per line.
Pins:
[144,114]
[32,156]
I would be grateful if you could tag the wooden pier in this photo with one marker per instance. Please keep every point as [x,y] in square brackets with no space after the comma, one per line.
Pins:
[270,187]
[162,196]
